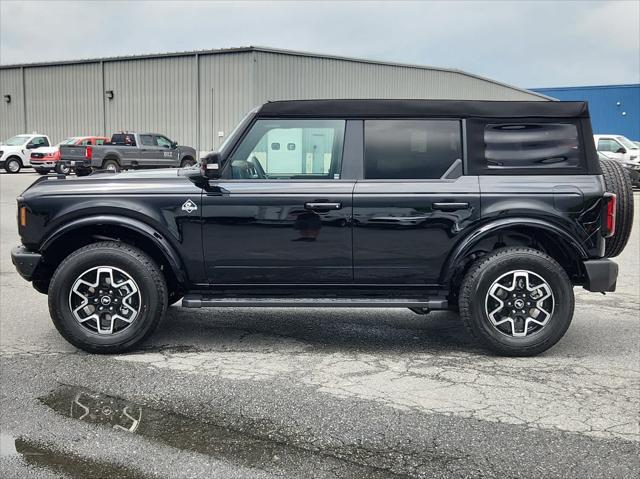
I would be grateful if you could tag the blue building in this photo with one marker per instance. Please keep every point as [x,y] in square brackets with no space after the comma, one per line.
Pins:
[614,109]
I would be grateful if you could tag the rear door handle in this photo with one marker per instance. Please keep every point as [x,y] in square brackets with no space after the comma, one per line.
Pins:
[450,206]
[322,206]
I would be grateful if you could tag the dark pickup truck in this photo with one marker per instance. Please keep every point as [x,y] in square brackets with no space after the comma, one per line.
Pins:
[127,150]
[494,209]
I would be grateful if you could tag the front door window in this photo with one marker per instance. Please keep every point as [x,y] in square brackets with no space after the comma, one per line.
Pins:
[290,149]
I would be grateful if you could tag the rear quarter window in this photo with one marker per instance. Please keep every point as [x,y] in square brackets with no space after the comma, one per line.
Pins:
[525,147]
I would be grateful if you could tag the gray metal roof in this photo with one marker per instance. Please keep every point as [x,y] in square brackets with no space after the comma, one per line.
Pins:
[249,49]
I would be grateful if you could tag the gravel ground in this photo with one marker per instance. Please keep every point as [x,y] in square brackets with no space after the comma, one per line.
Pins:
[317,393]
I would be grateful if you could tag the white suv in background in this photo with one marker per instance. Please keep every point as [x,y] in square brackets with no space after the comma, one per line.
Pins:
[15,153]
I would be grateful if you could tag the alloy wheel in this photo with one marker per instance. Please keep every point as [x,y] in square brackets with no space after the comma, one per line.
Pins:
[519,303]
[105,300]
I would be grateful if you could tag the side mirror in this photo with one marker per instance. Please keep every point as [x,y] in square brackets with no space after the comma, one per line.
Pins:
[621,150]
[210,165]
[174,145]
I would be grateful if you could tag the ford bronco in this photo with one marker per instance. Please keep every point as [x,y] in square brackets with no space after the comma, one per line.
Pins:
[493,209]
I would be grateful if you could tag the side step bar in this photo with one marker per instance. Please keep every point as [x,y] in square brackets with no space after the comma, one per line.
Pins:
[198,301]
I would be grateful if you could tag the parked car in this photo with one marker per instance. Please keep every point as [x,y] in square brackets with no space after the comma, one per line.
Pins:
[15,153]
[47,158]
[623,150]
[494,209]
[128,150]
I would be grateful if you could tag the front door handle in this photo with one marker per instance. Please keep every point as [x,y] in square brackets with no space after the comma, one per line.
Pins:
[322,206]
[450,206]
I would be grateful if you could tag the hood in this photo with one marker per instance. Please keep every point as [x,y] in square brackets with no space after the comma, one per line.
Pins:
[45,149]
[140,182]
[11,147]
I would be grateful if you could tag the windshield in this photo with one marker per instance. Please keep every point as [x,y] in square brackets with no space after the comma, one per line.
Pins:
[67,141]
[227,141]
[16,140]
[627,143]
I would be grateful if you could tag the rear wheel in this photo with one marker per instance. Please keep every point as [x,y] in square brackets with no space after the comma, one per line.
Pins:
[107,297]
[617,180]
[13,165]
[517,301]
[111,165]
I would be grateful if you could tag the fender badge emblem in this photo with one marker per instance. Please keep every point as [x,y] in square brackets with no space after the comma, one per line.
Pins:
[189,206]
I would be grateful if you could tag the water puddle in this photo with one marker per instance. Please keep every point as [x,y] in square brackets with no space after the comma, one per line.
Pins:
[185,433]
[44,455]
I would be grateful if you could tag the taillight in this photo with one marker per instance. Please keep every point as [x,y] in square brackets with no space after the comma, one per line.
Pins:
[610,215]
[88,153]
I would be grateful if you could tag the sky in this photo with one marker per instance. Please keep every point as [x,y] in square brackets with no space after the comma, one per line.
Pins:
[523,43]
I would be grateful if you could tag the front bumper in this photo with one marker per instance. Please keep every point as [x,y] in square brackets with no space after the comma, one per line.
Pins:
[43,163]
[602,275]
[25,261]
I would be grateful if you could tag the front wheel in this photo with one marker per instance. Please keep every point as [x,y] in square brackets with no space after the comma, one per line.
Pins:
[13,165]
[517,301]
[107,297]
[187,162]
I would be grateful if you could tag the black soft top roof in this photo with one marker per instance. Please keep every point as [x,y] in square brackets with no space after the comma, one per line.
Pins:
[424,108]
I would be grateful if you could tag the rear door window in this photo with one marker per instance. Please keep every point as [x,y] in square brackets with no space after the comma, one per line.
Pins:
[147,140]
[411,149]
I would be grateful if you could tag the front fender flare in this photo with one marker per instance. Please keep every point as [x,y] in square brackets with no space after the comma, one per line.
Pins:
[131,224]
[468,242]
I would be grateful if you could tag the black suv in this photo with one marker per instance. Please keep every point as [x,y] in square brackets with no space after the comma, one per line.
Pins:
[495,209]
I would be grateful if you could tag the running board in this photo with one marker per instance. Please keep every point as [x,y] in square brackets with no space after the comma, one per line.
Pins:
[198,301]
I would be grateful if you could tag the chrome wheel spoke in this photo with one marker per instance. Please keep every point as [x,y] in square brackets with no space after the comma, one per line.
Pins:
[105,300]
[519,303]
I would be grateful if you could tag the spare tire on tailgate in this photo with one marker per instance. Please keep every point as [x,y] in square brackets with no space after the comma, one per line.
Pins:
[616,180]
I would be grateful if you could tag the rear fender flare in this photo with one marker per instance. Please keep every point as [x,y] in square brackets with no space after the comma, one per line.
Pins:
[466,244]
[131,224]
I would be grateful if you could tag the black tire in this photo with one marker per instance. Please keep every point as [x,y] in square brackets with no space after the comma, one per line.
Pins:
[617,180]
[135,263]
[187,161]
[13,165]
[475,289]
[111,165]
[62,169]
[42,171]
[83,171]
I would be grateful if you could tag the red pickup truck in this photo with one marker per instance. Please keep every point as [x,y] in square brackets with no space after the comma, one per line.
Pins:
[47,158]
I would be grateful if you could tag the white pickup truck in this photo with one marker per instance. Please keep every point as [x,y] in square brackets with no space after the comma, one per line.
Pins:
[620,148]
[15,153]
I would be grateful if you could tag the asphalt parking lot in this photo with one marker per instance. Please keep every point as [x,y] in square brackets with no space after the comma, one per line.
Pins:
[317,393]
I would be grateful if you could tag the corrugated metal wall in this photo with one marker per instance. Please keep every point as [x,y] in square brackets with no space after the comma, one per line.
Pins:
[226,94]
[64,101]
[614,109]
[153,95]
[192,97]
[12,113]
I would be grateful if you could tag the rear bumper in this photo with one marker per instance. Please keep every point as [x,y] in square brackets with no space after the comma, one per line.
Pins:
[76,163]
[25,261]
[602,275]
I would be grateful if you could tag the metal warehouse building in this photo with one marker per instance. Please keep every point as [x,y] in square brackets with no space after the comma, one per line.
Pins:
[615,109]
[196,98]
